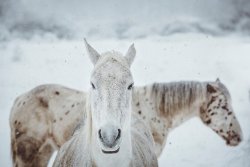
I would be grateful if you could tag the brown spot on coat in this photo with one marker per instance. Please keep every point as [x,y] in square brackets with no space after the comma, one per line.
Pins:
[211,101]
[157,137]
[137,104]
[208,121]
[202,110]
[57,93]
[27,149]
[162,105]
[224,107]
[210,88]
[66,113]
[43,102]
[213,114]
[153,119]
[18,133]
[13,150]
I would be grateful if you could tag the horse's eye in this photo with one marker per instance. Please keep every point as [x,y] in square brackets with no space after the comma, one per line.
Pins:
[93,86]
[130,86]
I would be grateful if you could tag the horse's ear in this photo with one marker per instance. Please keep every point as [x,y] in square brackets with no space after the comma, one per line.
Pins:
[211,88]
[93,54]
[218,80]
[130,55]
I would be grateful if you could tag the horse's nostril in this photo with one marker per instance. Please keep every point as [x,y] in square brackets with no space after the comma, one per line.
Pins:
[119,134]
[109,136]
[99,133]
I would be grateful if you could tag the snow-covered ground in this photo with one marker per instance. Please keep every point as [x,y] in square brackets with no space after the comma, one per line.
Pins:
[41,42]
[25,64]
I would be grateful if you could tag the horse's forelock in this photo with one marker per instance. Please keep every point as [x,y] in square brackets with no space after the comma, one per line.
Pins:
[113,57]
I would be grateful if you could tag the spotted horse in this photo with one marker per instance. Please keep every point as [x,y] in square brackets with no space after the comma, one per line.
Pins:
[45,118]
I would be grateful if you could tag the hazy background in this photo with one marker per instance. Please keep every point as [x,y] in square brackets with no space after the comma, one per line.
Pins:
[41,41]
[121,19]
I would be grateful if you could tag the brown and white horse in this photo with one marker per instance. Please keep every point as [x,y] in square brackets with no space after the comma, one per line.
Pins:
[43,119]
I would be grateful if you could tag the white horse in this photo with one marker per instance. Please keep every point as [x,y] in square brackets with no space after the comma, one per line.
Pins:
[43,119]
[111,136]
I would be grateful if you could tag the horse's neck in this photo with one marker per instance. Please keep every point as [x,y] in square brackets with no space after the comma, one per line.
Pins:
[122,158]
[174,102]
[187,113]
[194,101]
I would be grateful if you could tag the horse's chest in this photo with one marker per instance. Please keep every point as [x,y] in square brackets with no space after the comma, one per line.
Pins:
[113,161]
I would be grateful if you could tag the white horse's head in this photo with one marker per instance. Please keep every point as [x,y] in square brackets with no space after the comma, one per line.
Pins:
[110,96]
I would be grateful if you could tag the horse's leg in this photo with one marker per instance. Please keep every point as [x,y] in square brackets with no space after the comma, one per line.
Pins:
[29,145]
[45,152]
[30,152]
[160,142]
[30,124]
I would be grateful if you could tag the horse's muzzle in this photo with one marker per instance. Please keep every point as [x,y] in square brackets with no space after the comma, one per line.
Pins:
[109,138]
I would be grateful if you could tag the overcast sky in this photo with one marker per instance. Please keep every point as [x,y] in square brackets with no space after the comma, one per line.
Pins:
[124,17]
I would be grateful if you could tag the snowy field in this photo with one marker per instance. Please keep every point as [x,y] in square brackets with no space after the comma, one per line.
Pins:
[25,64]
[41,41]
